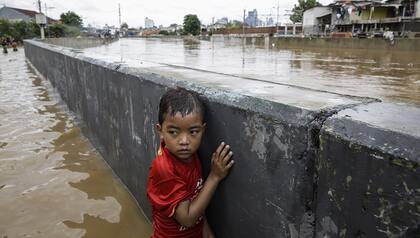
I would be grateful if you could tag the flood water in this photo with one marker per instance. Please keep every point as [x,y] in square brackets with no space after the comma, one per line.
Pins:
[385,75]
[53,183]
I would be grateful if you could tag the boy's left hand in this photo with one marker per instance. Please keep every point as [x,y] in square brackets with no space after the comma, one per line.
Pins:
[221,162]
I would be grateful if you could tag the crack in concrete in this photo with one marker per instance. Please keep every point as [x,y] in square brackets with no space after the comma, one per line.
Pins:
[314,130]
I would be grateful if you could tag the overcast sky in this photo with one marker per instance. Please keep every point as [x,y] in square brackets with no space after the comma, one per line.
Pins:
[163,12]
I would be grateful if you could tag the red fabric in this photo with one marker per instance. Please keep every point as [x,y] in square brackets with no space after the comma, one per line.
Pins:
[171,182]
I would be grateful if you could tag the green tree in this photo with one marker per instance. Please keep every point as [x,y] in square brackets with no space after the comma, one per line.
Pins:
[124,25]
[297,11]
[5,27]
[192,24]
[56,30]
[234,24]
[72,19]
[18,30]
[62,30]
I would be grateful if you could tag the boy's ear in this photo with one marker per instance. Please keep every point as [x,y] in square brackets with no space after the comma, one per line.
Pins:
[204,126]
[159,129]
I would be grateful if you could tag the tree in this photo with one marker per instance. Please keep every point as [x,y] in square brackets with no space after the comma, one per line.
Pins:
[124,25]
[18,30]
[192,24]
[72,19]
[297,11]
[234,24]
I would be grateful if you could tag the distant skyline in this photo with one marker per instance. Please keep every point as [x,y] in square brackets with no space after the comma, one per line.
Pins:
[163,12]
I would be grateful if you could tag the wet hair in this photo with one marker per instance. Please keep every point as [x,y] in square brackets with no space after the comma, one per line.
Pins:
[182,101]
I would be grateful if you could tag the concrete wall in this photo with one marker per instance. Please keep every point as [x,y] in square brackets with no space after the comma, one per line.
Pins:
[350,43]
[80,43]
[310,21]
[418,9]
[369,175]
[273,189]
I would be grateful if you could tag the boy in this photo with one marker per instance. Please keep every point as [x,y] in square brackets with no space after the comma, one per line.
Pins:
[175,186]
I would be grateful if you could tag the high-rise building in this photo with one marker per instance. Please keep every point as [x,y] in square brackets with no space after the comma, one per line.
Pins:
[148,23]
[252,18]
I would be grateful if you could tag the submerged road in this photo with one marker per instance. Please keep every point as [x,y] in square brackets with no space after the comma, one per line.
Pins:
[53,183]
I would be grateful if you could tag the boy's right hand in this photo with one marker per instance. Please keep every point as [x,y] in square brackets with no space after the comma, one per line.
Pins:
[221,162]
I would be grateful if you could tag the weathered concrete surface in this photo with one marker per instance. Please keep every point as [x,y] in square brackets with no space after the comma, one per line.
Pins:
[80,43]
[369,180]
[273,130]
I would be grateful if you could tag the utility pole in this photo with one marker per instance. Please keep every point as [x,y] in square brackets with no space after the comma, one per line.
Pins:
[46,16]
[119,14]
[42,23]
[277,22]
[243,25]
[212,26]
[39,6]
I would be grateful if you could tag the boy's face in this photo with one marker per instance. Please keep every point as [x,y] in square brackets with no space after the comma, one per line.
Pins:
[182,135]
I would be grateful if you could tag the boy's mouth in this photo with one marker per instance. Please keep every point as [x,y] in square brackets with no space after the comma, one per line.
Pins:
[184,151]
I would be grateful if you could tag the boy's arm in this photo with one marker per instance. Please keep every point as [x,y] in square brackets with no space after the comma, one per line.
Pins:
[187,212]
[207,232]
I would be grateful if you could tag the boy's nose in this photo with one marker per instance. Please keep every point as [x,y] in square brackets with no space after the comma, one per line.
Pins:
[183,140]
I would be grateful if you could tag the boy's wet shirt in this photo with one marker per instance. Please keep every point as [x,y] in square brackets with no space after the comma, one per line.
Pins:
[165,191]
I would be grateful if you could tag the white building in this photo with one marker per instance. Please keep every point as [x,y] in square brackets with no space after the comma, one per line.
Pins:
[316,20]
[222,21]
[148,23]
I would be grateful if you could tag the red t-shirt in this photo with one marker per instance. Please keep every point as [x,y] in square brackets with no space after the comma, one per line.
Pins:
[171,182]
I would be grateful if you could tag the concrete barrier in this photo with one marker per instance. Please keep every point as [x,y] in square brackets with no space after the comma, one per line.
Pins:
[369,180]
[346,43]
[80,43]
[274,130]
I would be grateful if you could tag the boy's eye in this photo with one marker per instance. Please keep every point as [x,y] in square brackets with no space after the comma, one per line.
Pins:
[194,132]
[173,132]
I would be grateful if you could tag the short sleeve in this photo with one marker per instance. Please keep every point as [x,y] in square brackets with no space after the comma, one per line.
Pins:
[165,189]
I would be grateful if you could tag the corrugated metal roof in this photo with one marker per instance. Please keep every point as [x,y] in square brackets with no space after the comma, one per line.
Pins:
[12,13]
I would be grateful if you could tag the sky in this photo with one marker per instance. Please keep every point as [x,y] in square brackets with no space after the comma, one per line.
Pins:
[162,12]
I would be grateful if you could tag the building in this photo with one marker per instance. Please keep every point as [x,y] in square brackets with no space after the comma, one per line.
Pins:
[222,21]
[172,29]
[270,21]
[17,14]
[316,21]
[148,23]
[375,16]
[252,19]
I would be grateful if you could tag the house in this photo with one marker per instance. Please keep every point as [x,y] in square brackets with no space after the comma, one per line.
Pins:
[364,17]
[17,14]
[317,21]
[148,23]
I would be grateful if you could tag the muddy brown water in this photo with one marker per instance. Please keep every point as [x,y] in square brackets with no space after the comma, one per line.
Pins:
[390,76]
[53,183]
